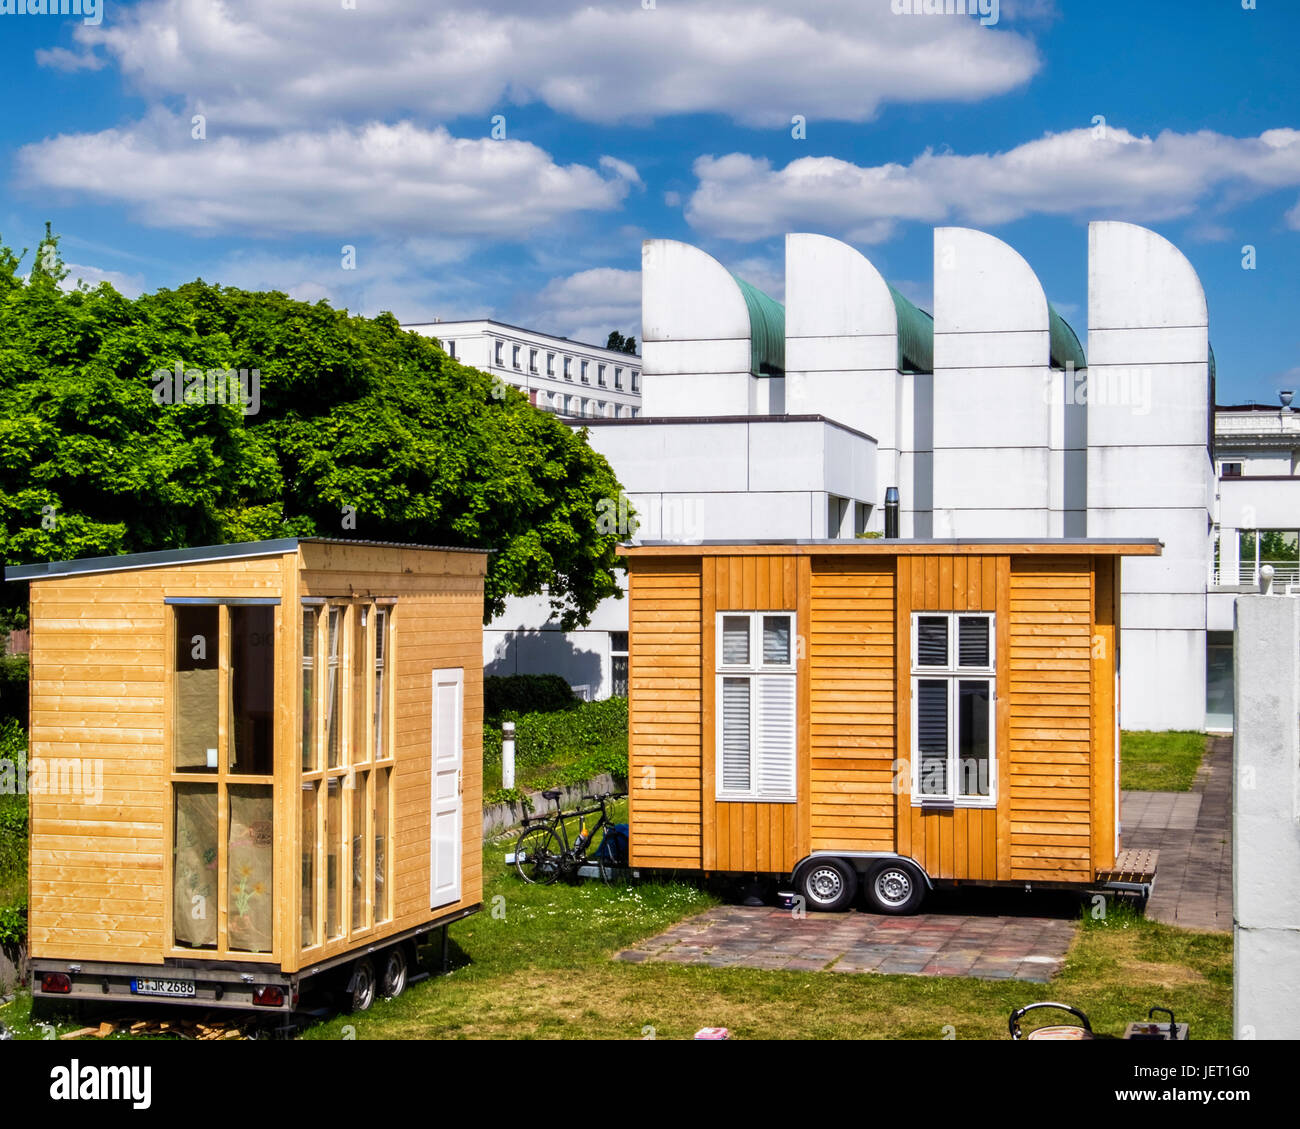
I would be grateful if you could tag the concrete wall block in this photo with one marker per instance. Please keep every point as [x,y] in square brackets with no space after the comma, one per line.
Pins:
[1152,611]
[971,523]
[1149,345]
[1018,349]
[850,353]
[1163,679]
[698,394]
[1152,478]
[987,478]
[1246,504]
[995,407]
[1144,405]
[666,457]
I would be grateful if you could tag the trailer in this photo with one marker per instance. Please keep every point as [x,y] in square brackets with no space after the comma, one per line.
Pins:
[253,768]
[880,715]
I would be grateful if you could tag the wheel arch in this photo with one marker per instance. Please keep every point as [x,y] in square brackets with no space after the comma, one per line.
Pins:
[861,861]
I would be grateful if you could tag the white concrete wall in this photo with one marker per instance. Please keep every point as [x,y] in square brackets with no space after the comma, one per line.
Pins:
[1149,472]
[1266,819]
[696,338]
[996,473]
[841,353]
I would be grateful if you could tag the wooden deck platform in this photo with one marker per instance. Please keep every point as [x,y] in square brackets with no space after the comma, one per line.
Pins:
[1132,865]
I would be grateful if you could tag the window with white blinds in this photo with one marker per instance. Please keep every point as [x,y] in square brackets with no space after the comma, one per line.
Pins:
[953,692]
[756,706]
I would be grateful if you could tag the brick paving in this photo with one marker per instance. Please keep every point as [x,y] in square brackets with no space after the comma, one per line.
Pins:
[990,947]
[1193,832]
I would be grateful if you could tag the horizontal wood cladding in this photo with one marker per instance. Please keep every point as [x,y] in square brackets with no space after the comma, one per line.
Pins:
[100,660]
[665,700]
[97,660]
[851,648]
[1048,687]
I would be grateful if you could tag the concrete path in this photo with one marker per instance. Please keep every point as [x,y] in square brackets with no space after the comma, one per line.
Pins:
[1193,832]
[992,947]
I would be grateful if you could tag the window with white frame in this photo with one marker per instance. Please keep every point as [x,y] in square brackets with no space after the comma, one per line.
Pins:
[756,706]
[550,364]
[532,360]
[568,368]
[600,375]
[499,346]
[514,355]
[636,381]
[618,377]
[953,691]
[585,378]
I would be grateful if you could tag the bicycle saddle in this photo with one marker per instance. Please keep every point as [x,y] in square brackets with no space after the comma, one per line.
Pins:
[553,794]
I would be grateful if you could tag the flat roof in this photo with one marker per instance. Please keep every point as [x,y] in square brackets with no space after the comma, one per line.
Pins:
[124,562]
[412,326]
[880,546]
[644,421]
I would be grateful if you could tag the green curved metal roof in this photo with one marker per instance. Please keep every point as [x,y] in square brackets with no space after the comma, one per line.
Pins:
[915,335]
[1064,341]
[766,330]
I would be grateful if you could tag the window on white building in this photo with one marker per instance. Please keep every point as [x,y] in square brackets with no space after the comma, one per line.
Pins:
[636,381]
[514,356]
[532,360]
[451,349]
[550,364]
[500,346]
[600,375]
[618,663]
[618,377]
[1230,470]
[757,711]
[585,378]
[953,684]
[636,412]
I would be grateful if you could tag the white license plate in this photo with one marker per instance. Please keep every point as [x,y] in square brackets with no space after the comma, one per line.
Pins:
[150,987]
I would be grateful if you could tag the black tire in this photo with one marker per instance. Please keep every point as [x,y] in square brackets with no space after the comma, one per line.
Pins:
[395,970]
[538,854]
[361,986]
[827,884]
[895,887]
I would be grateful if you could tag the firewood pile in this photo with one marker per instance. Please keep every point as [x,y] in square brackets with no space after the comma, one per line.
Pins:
[200,1029]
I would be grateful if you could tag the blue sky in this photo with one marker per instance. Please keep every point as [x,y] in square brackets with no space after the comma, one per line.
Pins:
[371,126]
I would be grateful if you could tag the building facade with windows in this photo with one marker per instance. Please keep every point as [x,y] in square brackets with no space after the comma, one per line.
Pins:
[569,378]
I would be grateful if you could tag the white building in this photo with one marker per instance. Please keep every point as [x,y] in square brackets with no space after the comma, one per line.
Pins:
[567,377]
[763,421]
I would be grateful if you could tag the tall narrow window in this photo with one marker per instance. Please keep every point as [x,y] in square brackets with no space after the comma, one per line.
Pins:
[223,862]
[618,669]
[334,689]
[381,698]
[309,618]
[756,738]
[333,835]
[309,840]
[953,687]
[382,801]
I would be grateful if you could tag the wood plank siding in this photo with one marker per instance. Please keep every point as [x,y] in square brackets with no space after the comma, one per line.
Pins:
[102,667]
[1055,609]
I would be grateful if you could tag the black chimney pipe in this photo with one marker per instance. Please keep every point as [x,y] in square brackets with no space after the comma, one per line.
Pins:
[891,512]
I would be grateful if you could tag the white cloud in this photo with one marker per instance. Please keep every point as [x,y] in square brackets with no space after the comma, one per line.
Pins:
[61,59]
[1075,173]
[128,285]
[341,182]
[587,305]
[247,62]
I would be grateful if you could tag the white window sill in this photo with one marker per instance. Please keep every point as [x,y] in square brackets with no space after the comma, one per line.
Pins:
[936,802]
[732,798]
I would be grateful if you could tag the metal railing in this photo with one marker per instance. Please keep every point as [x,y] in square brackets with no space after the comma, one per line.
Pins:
[1284,573]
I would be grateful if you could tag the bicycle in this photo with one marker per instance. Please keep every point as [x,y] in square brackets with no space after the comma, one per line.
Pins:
[543,852]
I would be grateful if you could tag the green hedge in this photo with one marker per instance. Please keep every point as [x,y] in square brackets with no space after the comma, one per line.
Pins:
[510,696]
[13,688]
[13,834]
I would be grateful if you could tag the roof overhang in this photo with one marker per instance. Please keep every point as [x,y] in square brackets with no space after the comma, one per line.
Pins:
[882,547]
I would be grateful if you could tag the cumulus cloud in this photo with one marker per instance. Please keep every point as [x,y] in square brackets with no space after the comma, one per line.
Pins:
[249,63]
[587,305]
[128,285]
[340,182]
[1084,173]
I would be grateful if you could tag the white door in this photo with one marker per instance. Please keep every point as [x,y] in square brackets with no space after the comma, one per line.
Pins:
[445,774]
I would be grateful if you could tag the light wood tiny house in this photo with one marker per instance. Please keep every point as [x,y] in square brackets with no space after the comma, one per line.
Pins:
[890,714]
[284,739]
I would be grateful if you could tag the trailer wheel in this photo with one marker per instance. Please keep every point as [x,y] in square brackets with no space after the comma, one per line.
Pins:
[361,987]
[895,887]
[393,981]
[827,884]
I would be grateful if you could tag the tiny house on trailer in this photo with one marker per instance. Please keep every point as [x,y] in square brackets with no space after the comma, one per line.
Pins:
[284,740]
[886,714]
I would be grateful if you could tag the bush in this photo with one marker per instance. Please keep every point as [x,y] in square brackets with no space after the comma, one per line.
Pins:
[550,738]
[13,688]
[13,830]
[509,696]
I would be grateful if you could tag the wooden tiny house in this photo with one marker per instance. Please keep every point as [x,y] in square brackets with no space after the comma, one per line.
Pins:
[252,764]
[890,713]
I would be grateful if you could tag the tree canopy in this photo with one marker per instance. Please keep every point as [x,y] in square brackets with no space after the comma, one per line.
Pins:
[619,343]
[360,430]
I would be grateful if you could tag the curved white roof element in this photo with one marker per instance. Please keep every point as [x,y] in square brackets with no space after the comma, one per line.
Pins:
[1139,280]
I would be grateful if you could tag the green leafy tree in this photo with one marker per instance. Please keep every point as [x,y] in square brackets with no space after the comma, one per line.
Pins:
[619,343]
[361,430]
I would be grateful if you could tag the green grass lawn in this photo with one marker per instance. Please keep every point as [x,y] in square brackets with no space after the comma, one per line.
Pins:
[535,964]
[1160,762]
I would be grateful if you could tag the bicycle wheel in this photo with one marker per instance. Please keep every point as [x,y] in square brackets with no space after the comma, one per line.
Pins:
[538,854]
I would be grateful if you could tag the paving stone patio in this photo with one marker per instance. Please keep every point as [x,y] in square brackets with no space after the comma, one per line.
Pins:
[992,947]
[1193,832]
